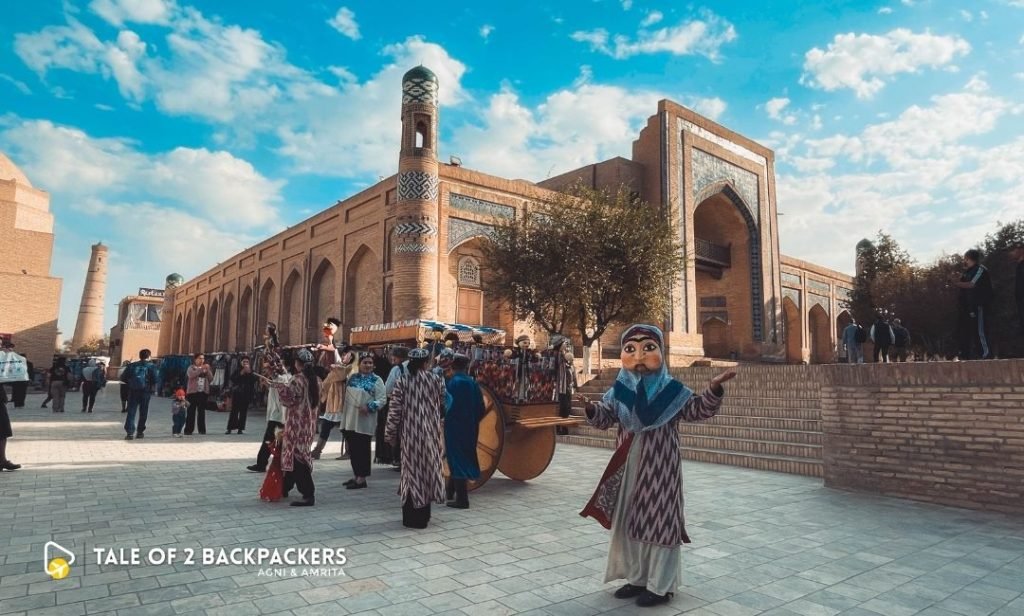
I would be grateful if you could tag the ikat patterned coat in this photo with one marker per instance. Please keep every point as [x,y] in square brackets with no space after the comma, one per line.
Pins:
[299,423]
[656,505]
[415,415]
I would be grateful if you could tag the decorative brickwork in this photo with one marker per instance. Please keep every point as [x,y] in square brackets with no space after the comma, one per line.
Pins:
[709,170]
[460,230]
[479,206]
[417,185]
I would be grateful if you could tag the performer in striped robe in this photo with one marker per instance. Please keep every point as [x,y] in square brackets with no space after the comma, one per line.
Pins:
[416,410]
[640,495]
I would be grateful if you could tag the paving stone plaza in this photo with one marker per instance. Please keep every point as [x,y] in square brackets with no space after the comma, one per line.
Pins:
[763,543]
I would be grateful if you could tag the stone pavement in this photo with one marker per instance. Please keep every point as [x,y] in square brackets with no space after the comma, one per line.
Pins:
[763,543]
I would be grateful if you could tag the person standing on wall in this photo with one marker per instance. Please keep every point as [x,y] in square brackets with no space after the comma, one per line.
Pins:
[243,390]
[900,341]
[853,336]
[882,336]
[1018,291]
[975,286]
[141,379]
[199,379]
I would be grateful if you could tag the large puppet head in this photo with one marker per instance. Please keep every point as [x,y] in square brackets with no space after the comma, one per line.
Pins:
[437,332]
[331,326]
[642,350]
[523,342]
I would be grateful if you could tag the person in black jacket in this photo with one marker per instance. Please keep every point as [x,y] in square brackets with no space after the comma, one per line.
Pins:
[900,341]
[1018,291]
[243,390]
[882,336]
[975,286]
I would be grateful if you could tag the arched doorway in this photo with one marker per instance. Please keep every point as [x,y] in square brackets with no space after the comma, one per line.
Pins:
[176,335]
[728,271]
[186,334]
[363,289]
[716,337]
[243,331]
[267,305]
[291,310]
[842,322]
[794,333]
[212,343]
[197,339]
[820,336]
[467,278]
[227,322]
[321,295]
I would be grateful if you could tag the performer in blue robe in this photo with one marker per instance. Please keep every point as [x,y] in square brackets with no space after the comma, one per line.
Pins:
[461,429]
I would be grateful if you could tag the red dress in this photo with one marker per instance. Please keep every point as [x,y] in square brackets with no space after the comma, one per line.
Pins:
[272,489]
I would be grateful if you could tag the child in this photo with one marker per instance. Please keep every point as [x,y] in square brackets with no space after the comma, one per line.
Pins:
[179,408]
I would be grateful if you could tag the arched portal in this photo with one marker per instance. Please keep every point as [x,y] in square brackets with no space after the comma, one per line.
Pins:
[227,323]
[291,310]
[267,305]
[176,335]
[186,334]
[363,289]
[716,337]
[212,343]
[728,271]
[322,295]
[243,332]
[197,338]
[819,329]
[794,332]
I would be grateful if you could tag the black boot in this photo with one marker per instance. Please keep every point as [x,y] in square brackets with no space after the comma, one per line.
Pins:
[449,489]
[461,495]
[306,502]
[629,591]
[9,466]
[649,599]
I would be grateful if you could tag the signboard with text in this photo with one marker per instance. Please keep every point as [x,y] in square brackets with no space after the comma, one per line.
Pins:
[151,292]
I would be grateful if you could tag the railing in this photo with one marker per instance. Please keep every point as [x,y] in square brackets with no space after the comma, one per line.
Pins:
[713,254]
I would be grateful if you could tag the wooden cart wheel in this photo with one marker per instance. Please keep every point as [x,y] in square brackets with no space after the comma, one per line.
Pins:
[528,452]
[490,442]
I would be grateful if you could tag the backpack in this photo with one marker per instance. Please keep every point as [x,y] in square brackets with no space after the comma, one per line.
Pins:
[861,335]
[137,376]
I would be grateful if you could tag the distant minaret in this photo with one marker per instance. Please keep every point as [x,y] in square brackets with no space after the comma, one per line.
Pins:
[415,242]
[90,313]
[171,283]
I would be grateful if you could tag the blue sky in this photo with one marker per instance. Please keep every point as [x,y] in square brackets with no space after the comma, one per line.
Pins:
[180,132]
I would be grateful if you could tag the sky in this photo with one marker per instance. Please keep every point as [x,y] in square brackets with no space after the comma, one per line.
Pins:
[180,132]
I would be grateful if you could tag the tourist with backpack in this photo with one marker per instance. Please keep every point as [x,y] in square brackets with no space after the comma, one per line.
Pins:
[141,379]
[975,299]
[882,336]
[853,337]
[900,341]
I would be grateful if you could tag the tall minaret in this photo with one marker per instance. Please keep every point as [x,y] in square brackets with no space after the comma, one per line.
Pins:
[415,241]
[90,312]
[171,283]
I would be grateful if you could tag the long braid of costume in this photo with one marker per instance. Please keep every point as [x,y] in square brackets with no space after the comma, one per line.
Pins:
[272,363]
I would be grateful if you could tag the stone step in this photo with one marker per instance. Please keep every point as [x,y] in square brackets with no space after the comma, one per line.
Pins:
[768,423]
[740,445]
[778,464]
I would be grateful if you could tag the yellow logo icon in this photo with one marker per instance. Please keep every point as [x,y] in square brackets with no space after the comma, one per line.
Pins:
[57,560]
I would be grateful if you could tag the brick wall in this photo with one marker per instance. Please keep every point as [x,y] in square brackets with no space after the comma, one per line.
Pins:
[947,433]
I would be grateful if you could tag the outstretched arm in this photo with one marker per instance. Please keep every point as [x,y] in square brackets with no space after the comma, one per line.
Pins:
[600,414]
[706,405]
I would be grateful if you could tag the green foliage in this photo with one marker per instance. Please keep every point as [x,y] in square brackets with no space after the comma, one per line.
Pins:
[98,346]
[588,260]
[925,299]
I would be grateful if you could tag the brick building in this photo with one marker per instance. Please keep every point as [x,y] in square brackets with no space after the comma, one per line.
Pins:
[29,296]
[137,326]
[410,247]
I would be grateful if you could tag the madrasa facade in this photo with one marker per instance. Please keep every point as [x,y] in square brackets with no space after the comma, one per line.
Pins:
[410,247]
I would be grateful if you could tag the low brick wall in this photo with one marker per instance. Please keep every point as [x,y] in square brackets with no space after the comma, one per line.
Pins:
[950,433]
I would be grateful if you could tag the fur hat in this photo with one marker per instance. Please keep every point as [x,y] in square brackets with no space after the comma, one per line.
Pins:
[305,356]
[420,353]
[445,357]
[522,338]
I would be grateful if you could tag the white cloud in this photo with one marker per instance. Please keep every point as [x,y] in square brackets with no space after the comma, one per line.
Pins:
[885,10]
[711,108]
[626,4]
[344,21]
[704,36]
[485,31]
[775,108]
[966,15]
[120,12]
[864,62]
[21,86]
[651,18]
[73,47]
[196,180]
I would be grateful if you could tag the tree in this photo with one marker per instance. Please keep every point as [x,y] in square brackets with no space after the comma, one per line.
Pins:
[1003,321]
[588,260]
[879,259]
[96,346]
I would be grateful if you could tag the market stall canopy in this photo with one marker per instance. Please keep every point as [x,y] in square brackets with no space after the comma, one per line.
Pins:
[421,329]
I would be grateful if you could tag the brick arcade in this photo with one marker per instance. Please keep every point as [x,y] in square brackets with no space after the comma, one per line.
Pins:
[410,247]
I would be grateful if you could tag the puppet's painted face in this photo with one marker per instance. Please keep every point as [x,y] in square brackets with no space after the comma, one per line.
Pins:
[438,336]
[642,354]
[523,344]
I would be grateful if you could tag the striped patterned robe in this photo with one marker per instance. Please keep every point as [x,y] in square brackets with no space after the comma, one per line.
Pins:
[415,415]
[655,507]
[299,423]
